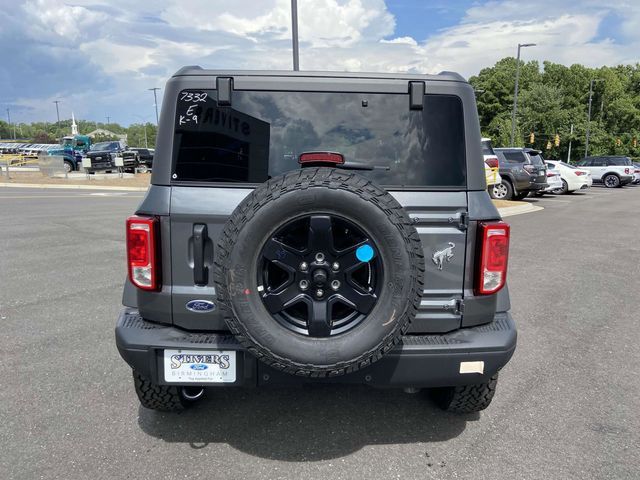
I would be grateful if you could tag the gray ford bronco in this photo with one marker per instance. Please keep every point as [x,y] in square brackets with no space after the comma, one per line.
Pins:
[306,227]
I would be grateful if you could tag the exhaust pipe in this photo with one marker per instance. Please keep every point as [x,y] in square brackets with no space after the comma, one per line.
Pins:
[192,393]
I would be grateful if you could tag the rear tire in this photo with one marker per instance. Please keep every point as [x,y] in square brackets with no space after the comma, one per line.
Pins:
[521,196]
[501,191]
[164,398]
[467,398]
[612,181]
[563,190]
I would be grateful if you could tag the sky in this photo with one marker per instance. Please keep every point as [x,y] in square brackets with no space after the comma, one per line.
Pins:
[100,57]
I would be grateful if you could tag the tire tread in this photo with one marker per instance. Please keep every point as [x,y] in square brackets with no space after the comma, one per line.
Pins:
[164,398]
[301,180]
[467,398]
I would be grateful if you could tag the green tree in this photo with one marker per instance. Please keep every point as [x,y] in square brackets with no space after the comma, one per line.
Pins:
[553,99]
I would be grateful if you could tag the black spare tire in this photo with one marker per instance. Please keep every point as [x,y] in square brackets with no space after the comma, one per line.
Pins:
[319,272]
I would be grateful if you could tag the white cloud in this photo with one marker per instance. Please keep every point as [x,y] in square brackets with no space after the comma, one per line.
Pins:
[401,41]
[120,48]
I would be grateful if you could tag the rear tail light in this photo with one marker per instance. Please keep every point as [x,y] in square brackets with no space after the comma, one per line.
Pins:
[493,241]
[530,168]
[492,162]
[579,173]
[626,170]
[142,261]
[551,174]
[320,158]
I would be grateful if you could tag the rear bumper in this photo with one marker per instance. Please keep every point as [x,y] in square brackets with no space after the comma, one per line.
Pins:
[535,187]
[418,361]
[553,186]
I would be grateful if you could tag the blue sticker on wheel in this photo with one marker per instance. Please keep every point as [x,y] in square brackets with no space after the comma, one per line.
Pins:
[364,253]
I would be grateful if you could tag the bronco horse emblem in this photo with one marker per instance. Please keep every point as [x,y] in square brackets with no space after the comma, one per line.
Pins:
[446,254]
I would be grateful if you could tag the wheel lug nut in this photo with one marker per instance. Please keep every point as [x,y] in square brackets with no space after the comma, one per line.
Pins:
[319,292]
[319,257]
[304,284]
[335,284]
[304,266]
[335,265]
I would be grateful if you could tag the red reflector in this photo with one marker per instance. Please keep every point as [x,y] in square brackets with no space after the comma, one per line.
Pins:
[142,264]
[492,162]
[493,256]
[320,158]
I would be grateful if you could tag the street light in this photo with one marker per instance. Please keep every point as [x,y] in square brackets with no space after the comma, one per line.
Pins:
[515,95]
[294,34]
[155,102]
[14,127]
[57,111]
[586,143]
[144,124]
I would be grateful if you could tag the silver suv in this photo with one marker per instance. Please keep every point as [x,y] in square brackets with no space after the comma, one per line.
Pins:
[612,171]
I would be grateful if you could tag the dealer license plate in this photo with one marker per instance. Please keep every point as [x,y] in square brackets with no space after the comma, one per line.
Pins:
[200,366]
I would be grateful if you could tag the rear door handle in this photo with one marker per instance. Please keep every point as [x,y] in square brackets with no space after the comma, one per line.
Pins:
[200,270]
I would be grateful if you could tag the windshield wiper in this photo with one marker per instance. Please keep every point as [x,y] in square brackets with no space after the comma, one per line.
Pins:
[362,166]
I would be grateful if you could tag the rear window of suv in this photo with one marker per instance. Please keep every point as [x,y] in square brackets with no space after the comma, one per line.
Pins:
[487,149]
[619,161]
[536,159]
[263,133]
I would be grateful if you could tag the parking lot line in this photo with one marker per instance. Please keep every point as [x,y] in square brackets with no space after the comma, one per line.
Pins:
[69,196]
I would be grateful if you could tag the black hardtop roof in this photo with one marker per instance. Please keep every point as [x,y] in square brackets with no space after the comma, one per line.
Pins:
[199,71]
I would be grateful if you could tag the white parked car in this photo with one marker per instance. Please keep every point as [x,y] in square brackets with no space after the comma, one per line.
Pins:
[573,178]
[554,179]
[491,164]
[636,174]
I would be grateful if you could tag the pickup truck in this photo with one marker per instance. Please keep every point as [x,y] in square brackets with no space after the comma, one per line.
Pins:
[103,156]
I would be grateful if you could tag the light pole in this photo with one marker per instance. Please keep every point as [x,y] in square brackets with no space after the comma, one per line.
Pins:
[144,124]
[108,118]
[586,143]
[515,95]
[57,111]
[14,127]
[155,102]
[569,152]
[294,35]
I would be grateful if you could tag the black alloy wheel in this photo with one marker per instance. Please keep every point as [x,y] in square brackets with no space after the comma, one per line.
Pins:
[320,275]
[612,181]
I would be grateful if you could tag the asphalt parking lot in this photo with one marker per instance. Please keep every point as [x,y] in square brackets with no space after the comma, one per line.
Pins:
[566,408]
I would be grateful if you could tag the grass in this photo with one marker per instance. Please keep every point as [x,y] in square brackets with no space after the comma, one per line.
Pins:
[507,203]
[140,180]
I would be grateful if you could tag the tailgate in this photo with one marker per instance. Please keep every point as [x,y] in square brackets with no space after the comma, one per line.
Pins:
[440,219]
[191,209]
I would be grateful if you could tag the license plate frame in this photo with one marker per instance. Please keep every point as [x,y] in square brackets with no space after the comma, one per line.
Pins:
[199,366]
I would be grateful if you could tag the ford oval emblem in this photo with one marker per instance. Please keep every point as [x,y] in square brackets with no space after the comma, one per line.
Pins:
[199,366]
[200,306]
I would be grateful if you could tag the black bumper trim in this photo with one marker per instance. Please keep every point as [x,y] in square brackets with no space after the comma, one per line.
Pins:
[419,360]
